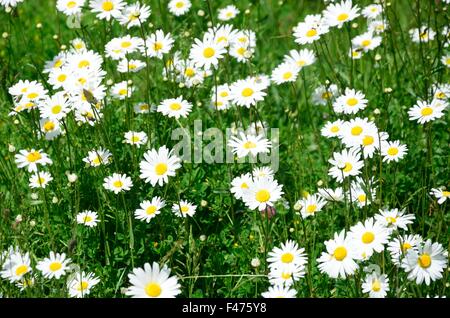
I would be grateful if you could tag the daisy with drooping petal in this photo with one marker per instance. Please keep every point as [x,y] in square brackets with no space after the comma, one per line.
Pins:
[149,209]
[289,256]
[310,205]
[134,15]
[31,159]
[97,157]
[179,7]
[368,237]
[16,266]
[184,209]
[122,90]
[240,184]
[262,192]
[80,284]
[322,95]
[246,92]
[158,166]
[70,7]
[336,195]
[441,194]
[350,103]
[376,285]
[137,138]
[424,112]
[153,281]
[310,30]
[426,263]
[394,219]
[279,291]
[40,179]
[346,163]
[366,41]
[50,127]
[249,144]
[228,13]
[88,218]
[339,13]
[399,246]
[54,266]
[338,260]
[107,9]
[286,276]
[423,34]
[259,172]
[175,107]
[117,183]
[393,151]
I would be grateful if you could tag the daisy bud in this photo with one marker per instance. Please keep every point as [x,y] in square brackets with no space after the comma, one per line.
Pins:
[186,34]
[376,111]
[32,223]
[377,57]
[55,37]
[255,262]
[123,290]
[8,9]
[181,85]
[109,82]
[327,82]
[235,245]
[39,25]
[251,237]
[204,203]
[280,3]
[297,206]
[388,90]
[150,25]
[63,47]
[354,25]
[209,24]
[247,11]
[55,200]
[201,13]
[72,177]
[319,183]
[16,121]
[202,237]
[18,218]
[291,230]
[130,82]
[34,196]
[11,148]
[5,35]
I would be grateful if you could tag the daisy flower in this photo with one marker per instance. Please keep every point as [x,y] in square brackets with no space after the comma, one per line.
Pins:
[117,183]
[338,260]
[158,166]
[339,13]
[55,107]
[424,34]
[279,291]
[323,94]
[179,7]
[424,112]
[366,41]
[97,157]
[376,285]
[285,73]
[262,192]
[336,195]
[368,237]
[310,30]
[88,218]
[441,91]
[206,53]
[107,9]
[300,58]
[393,151]
[137,138]
[70,7]
[346,163]
[80,284]
[228,13]
[10,3]
[240,184]
[399,246]
[31,159]
[40,179]
[54,266]
[175,107]
[157,44]
[246,92]
[142,108]
[153,281]
[50,128]
[249,144]
[134,15]
[289,256]
[377,26]
[332,129]
[259,172]
[350,103]
[132,66]
[184,209]
[122,90]
[16,266]
[354,131]
[359,195]
[394,219]
[446,60]
[286,276]
[441,194]
[425,264]
[149,209]
[311,205]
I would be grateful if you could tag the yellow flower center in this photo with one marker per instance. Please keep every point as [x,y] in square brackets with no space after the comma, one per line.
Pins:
[122,92]
[311,33]
[262,196]
[376,286]
[311,208]
[34,156]
[424,261]
[126,44]
[249,145]
[392,151]
[175,106]
[342,17]
[224,94]
[144,107]
[244,186]
[157,46]
[366,43]
[368,237]
[287,258]
[334,129]
[41,180]
[179,4]
[117,183]
[440,95]
[160,169]
[56,109]
[61,78]
[153,290]
[427,111]
[189,72]
[135,139]
[286,275]
[391,219]
[367,140]
[208,52]
[356,131]
[348,167]
[82,286]
[151,210]
[32,95]
[446,193]
[362,198]
[241,50]
[22,269]
[247,92]
[49,126]
[352,101]
[55,266]
[184,209]
[327,95]
[406,246]
[107,6]
[87,219]
[96,160]
[287,75]
[83,63]
[340,253]
[301,62]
